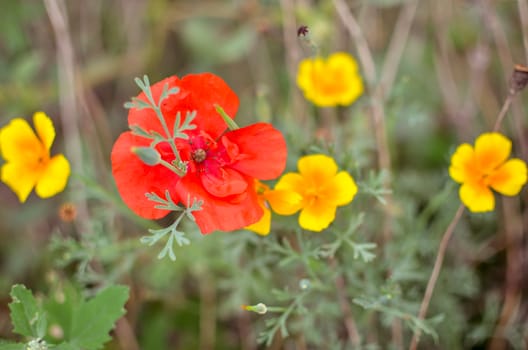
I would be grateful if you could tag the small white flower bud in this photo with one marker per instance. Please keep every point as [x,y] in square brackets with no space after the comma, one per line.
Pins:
[260,308]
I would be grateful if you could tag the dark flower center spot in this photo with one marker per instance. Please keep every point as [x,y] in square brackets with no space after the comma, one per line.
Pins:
[199,155]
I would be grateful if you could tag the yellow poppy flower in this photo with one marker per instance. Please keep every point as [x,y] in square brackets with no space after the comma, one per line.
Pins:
[317,190]
[486,167]
[265,197]
[330,82]
[27,155]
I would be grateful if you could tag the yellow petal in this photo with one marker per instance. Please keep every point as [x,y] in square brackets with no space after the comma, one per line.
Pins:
[330,82]
[291,182]
[305,73]
[312,78]
[317,169]
[19,178]
[348,85]
[341,190]
[54,177]
[44,128]
[317,216]
[18,143]
[342,61]
[463,164]
[284,202]
[509,178]
[477,197]
[491,150]
[262,227]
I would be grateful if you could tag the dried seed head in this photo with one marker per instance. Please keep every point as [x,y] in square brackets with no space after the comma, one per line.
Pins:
[302,31]
[519,79]
[68,212]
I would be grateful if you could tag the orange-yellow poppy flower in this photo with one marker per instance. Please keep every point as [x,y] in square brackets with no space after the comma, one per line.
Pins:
[268,197]
[319,188]
[28,162]
[331,82]
[484,167]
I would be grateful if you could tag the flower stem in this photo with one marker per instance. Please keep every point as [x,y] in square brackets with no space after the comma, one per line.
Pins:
[156,106]
[227,119]
[170,138]
[504,109]
[352,25]
[180,172]
[350,323]
[436,272]
[276,309]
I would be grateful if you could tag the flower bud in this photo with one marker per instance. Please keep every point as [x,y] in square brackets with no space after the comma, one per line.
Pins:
[305,284]
[260,308]
[148,155]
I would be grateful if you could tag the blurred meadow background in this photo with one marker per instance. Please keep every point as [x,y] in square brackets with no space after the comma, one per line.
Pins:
[436,74]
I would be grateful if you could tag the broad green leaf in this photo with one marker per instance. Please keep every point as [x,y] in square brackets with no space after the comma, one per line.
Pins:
[12,346]
[94,319]
[27,318]
[66,346]
[60,307]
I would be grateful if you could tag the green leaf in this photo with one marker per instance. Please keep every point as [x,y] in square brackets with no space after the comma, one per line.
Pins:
[12,346]
[66,346]
[94,319]
[60,308]
[27,318]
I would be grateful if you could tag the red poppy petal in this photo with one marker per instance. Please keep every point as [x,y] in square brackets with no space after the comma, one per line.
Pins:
[261,150]
[226,183]
[225,214]
[209,90]
[198,92]
[134,178]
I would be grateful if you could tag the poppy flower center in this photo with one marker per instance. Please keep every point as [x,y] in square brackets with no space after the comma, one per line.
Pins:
[199,155]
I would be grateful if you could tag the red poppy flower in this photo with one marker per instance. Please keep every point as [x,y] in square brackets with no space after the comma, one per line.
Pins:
[222,165]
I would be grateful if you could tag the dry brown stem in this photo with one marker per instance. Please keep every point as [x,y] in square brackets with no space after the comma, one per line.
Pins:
[350,323]
[57,14]
[513,234]
[436,272]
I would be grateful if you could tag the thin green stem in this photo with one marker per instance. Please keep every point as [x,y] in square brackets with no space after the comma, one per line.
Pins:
[157,109]
[170,138]
[227,119]
[171,167]
[304,258]
[275,309]
[284,317]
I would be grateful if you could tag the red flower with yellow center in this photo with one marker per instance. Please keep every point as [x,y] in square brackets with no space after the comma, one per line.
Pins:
[222,165]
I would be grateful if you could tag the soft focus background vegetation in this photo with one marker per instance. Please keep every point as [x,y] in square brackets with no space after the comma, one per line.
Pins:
[76,60]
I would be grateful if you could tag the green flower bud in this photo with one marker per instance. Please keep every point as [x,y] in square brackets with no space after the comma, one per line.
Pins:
[148,155]
[260,308]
